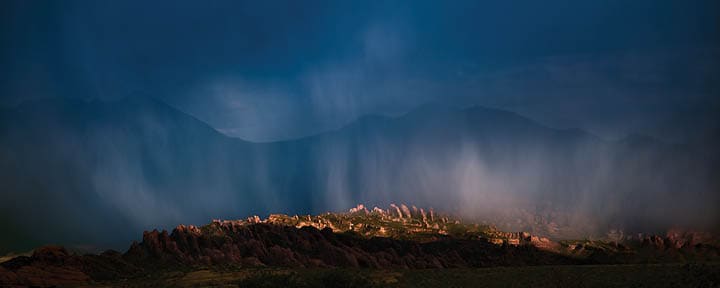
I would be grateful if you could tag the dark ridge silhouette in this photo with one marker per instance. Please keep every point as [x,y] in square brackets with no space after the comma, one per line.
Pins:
[96,177]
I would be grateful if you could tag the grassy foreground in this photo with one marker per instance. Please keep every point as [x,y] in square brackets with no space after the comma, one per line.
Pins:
[654,275]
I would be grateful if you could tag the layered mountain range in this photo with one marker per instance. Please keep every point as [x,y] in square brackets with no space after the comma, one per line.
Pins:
[92,172]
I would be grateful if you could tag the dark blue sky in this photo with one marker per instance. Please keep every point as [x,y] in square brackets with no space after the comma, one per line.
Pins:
[268,70]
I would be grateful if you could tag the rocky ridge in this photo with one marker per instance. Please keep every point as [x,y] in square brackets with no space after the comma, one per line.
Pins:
[400,237]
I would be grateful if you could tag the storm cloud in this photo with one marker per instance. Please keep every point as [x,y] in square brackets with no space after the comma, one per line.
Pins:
[118,117]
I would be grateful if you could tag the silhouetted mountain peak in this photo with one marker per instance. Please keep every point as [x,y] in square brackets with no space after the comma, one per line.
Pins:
[135,160]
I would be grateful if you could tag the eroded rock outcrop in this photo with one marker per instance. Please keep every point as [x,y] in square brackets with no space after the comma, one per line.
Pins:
[53,266]
[399,237]
[276,245]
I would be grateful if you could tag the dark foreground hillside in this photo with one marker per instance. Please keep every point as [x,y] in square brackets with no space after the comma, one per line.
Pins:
[623,275]
[636,275]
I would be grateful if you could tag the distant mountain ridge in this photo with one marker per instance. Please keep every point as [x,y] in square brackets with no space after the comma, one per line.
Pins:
[95,172]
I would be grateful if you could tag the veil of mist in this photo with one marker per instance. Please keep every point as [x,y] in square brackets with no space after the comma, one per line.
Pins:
[469,135]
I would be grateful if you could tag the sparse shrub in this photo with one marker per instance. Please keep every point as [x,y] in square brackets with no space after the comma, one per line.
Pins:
[270,280]
[344,278]
[308,278]
[701,275]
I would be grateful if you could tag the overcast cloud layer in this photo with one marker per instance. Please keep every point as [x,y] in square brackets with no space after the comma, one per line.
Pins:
[280,70]
[122,144]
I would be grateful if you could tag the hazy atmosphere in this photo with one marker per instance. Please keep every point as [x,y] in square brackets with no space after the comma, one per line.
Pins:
[563,118]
